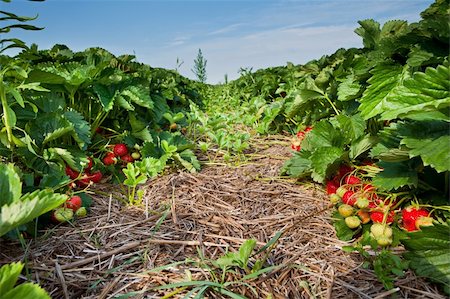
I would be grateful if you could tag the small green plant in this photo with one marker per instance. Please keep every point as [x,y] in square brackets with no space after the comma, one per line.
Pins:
[200,67]
[221,269]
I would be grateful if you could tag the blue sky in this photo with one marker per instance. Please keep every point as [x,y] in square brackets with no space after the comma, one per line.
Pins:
[232,34]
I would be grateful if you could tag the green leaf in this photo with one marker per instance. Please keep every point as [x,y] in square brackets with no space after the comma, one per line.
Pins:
[30,206]
[27,291]
[321,160]
[82,129]
[429,140]
[428,253]
[9,273]
[106,95]
[343,232]
[351,126]
[370,32]
[424,92]
[138,95]
[362,145]
[395,175]
[324,134]
[10,184]
[348,89]
[417,57]
[384,81]
[299,165]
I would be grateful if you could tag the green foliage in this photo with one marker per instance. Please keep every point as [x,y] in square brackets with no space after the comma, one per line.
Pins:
[9,274]
[428,253]
[17,209]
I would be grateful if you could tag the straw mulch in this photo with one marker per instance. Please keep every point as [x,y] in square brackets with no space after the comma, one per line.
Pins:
[195,218]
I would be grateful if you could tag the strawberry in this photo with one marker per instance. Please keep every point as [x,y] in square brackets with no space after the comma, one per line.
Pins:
[307,129]
[136,155]
[349,198]
[382,233]
[74,203]
[352,180]
[90,164]
[73,174]
[110,159]
[61,215]
[300,134]
[362,202]
[424,221]
[378,217]
[410,215]
[334,198]
[96,177]
[352,221]
[120,149]
[332,187]
[364,216]
[296,147]
[173,126]
[81,212]
[344,169]
[127,158]
[341,191]
[345,210]
[368,187]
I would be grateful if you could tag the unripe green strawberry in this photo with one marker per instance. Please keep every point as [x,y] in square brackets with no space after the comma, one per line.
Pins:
[384,241]
[61,215]
[381,230]
[81,212]
[334,198]
[362,202]
[135,155]
[345,210]
[341,191]
[352,221]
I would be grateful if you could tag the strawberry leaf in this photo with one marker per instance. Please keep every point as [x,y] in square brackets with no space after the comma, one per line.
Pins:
[9,274]
[395,175]
[428,253]
[10,185]
[321,159]
[82,129]
[385,79]
[30,206]
[423,93]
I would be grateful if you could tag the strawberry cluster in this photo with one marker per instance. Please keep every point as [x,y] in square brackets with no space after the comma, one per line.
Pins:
[360,203]
[72,207]
[298,138]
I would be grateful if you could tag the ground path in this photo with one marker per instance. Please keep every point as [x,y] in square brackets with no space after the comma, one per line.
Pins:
[119,250]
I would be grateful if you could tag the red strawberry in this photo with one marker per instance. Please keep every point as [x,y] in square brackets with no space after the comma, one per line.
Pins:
[352,180]
[301,134]
[74,203]
[127,158]
[343,171]
[368,187]
[332,186]
[411,215]
[296,147]
[110,159]
[73,174]
[349,198]
[90,163]
[120,149]
[307,129]
[378,217]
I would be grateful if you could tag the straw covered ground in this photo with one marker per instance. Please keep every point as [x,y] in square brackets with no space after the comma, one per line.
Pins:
[188,220]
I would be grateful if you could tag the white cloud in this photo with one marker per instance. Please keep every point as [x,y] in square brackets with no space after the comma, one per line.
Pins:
[226,29]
